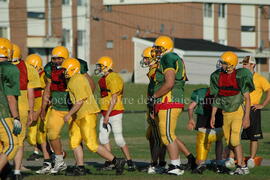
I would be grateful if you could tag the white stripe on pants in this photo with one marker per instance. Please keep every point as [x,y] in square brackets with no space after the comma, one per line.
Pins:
[116,128]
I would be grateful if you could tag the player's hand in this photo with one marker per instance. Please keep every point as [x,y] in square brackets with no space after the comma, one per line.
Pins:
[151,101]
[191,124]
[257,106]
[67,118]
[42,114]
[212,122]
[106,120]
[246,122]
[17,126]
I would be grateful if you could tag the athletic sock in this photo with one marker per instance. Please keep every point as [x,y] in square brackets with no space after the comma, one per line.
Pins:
[176,162]
[114,160]
[17,172]
[162,163]
[36,152]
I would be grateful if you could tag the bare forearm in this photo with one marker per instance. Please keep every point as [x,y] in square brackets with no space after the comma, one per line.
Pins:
[167,85]
[31,99]
[191,109]
[164,89]
[46,97]
[13,106]
[75,107]
[214,111]
[247,104]
[112,104]
[267,99]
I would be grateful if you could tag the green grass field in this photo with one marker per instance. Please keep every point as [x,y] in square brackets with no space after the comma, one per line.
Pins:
[134,132]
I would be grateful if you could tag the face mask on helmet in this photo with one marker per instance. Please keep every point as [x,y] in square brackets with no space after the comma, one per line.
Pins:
[100,70]
[224,66]
[57,61]
[158,51]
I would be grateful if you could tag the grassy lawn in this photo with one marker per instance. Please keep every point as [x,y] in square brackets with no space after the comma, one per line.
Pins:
[134,130]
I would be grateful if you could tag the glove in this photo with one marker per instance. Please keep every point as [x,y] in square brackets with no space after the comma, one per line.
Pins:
[151,101]
[42,127]
[105,126]
[17,126]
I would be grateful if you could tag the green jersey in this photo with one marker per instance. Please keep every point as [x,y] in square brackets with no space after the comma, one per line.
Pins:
[9,86]
[60,99]
[175,97]
[229,88]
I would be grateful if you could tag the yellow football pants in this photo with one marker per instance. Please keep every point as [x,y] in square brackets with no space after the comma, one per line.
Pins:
[55,123]
[203,143]
[23,111]
[84,130]
[36,132]
[153,130]
[232,124]
[167,124]
[8,141]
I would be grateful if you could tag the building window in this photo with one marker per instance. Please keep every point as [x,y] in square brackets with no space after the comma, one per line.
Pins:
[81,37]
[261,60]
[248,28]
[208,10]
[109,44]
[221,11]
[3,0]
[36,15]
[66,2]
[108,8]
[3,32]
[66,37]
[222,41]
[81,2]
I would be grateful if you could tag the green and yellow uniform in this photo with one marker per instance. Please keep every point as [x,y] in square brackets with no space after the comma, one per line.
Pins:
[229,90]
[60,101]
[170,105]
[9,86]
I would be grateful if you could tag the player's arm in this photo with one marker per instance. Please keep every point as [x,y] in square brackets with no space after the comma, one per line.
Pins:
[213,116]
[191,123]
[167,85]
[45,99]
[31,102]
[13,106]
[112,104]
[73,110]
[91,82]
[246,118]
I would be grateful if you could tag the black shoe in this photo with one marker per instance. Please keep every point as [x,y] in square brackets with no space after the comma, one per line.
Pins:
[119,165]
[76,171]
[199,169]
[34,157]
[6,172]
[108,166]
[17,177]
[131,165]
[221,169]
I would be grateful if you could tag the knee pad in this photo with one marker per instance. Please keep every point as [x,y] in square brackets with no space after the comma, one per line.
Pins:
[103,138]
[92,145]
[119,140]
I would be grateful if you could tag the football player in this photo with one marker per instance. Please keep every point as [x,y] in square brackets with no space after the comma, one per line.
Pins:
[83,127]
[254,132]
[112,109]
[201,103]
[36,132]
[157,148]
[29,80]
[10,125]
[167,101]
[231,86]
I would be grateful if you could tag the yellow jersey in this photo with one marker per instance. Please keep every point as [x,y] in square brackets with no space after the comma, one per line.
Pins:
[261,85]
[79,89]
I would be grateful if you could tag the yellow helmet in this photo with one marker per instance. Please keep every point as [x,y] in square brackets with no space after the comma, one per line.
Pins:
[103,65]
[60,52]
[16,53]
[34,60]
[230,59]
[5,48]
[72,67]
[164,44]
[148,56]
